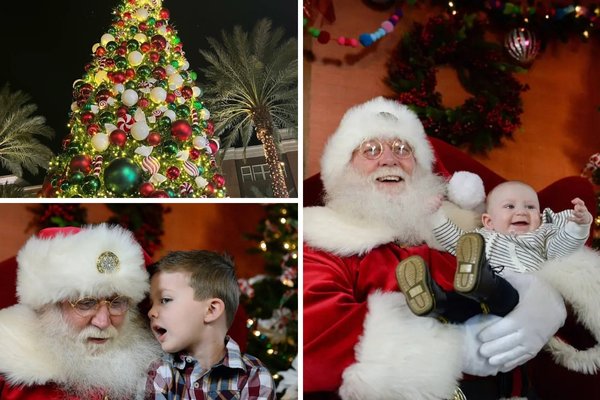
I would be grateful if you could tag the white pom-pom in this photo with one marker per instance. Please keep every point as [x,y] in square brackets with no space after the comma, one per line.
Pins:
[466,190]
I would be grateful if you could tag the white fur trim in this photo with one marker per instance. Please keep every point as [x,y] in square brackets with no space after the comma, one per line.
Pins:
[577,279]
[401,356]
[325,229]
[365,121]
[22,358]
[466,190]
[64,267]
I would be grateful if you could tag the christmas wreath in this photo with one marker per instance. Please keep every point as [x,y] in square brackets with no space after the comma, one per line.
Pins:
[490,114]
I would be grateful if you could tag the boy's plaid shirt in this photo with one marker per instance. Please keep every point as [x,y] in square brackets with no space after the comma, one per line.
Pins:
[236,376]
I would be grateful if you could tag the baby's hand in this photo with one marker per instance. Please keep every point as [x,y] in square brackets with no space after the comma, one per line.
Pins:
[580,214]
[434,203]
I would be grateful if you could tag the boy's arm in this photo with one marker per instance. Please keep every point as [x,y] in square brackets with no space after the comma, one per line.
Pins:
[260,385]
[445,231]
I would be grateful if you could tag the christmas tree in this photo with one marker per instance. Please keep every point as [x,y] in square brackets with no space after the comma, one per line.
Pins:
[138,126]
[271,299]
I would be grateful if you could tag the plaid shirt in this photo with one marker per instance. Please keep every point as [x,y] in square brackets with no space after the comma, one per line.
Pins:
[236,376]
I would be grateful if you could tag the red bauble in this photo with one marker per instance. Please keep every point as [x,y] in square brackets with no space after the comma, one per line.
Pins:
[82,163]
[170,98]
[86,89]
[214,146]
[122,111]
[158,42]
[121,51]
[118,77]
[100,51]
[143,102]
[209,189]
[103,95]
[92,129]
[127,15]
[67,141]
[173,173]
[130,73]
[181,130]
[87,117]
[145,47]
[159,73]
[219,180]
[118,137]
[194,153]
[154,56]
[159,194]
[187,92]
[153,138]
[210,128]
[143,26]
[146,189]
[164,14]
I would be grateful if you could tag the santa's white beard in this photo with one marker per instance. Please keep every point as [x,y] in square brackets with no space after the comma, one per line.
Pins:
[405,208]
[118,368]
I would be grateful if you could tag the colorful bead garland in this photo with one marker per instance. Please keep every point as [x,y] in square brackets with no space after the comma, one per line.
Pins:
[366,39]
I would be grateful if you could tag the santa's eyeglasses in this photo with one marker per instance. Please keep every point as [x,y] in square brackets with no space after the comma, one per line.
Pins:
[372,149]
[88,306]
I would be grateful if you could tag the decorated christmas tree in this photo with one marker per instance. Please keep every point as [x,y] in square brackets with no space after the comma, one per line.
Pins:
[138,126]
[271,299]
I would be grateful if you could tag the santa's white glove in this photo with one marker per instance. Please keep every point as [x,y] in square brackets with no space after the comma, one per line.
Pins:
[473,362]
[521,334]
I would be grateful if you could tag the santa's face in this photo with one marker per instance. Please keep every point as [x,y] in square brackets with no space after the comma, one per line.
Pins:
[388,163]
[95,331]
[177,318]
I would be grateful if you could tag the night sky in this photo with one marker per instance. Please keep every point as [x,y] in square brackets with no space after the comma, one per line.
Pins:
[45,44]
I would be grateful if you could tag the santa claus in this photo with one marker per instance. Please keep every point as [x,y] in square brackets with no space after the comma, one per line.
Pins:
[76,332]
[360,339]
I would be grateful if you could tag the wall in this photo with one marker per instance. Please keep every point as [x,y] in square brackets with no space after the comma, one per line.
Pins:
[217,227]
[559,125]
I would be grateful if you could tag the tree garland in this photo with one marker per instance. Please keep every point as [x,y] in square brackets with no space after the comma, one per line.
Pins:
[482,121]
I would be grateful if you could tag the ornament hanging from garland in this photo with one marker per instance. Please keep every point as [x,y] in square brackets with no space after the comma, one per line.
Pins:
[490,114]
[522,45]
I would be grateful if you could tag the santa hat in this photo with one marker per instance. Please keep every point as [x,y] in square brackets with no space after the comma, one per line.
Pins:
[377,118]
[68,263]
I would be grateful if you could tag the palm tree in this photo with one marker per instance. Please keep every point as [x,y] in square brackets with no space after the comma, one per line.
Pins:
[19,133]
[252,84]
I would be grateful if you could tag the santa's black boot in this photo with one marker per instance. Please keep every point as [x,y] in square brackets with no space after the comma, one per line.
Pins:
[476,279]
[425,297]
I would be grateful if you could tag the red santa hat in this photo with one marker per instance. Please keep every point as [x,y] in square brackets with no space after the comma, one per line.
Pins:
[68,263]
[377,118]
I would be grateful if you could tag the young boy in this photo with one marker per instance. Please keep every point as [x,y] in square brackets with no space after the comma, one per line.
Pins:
[194,297]
[514,236]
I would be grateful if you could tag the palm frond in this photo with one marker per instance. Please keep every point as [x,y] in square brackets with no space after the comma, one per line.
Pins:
[10,190]
[20,134]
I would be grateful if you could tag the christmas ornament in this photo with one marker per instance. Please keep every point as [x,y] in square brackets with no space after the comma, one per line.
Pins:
[118,137]
[122,177]
[81,163]
[90,186]
[151,165]
[181,130]
[522,45]
[173,173]
[190,168]
[146,189]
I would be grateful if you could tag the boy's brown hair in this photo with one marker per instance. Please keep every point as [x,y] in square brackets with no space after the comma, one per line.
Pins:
[211,275]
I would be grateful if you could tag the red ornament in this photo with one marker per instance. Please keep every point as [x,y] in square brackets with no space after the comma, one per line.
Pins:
[103,95]
[158,42]
[219,180]
[159,73]
[86,89]
[154,56]
[181,130]
[164,14]
[87,117]
[67,141]
[159,194]
[118,77]
[82,163]
[122,111]
[146,189]
[194,153]
[214,146]
[127,15]
[145,47]
[153,138]
[92,129]
[209,188]
[187,92]
[173,173]
[170,98]
[143,26]
[143,102]
[118,137]
[100,51]
[210,128]
[130,73]
[121,50]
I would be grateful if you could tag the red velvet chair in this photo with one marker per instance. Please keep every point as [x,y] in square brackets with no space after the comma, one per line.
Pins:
[557,196]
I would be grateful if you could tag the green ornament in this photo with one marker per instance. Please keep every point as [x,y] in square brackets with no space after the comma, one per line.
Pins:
[164,123]
[175,40]
[162,83]
[122,177]
[182,112]
[111,46]
[170,147]
[66,185]
[133,29]
[198,105]
[144,71]
[196,130]
[175,63]
[73,149]
[112,30]
[172,106]
[87,107]
[76,178]
[193,75]
[130,85]
[201,169]
[133,45]
[151,21]
[172,193]
[90,186]
[121,62]
[106,117]
[184,75]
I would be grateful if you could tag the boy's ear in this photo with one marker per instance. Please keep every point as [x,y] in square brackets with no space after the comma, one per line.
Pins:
[486,220]
[216,308]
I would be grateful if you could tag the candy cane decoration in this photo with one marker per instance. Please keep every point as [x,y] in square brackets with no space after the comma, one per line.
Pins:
[191,169]
[195,117]
[151,165]
[186,189]
[97,164]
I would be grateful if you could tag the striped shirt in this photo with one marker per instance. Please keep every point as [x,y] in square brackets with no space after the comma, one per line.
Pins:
[236,376]
[556,237]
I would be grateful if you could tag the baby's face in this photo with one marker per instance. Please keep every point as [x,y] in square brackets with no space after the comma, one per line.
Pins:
[513,209]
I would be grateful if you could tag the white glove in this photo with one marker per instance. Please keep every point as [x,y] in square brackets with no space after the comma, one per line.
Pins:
[473,362]
[520,335]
